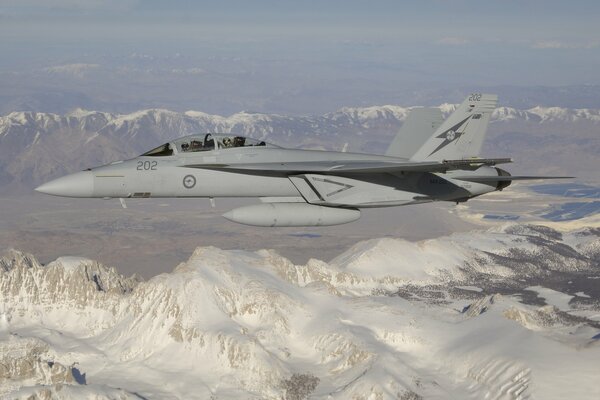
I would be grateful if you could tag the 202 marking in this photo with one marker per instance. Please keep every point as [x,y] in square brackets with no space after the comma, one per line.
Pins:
[147,165]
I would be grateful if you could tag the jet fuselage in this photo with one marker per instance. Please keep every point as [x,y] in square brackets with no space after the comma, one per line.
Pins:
[168,176]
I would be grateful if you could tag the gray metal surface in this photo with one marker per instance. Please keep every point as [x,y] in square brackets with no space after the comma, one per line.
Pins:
[325,187]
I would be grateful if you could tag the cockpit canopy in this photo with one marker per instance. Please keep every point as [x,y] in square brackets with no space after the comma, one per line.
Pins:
[207,142]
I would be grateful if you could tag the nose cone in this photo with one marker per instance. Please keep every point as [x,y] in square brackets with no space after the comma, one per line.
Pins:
[80,184]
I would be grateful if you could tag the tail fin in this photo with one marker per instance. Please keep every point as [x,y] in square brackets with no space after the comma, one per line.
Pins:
[461,134]
[416,129]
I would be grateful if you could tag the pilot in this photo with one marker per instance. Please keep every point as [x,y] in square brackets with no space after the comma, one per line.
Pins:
[239,141]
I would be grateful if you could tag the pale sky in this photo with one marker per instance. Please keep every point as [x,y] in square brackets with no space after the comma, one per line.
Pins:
[337,44]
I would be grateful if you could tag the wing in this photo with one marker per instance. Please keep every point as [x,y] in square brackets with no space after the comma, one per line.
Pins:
[355,166]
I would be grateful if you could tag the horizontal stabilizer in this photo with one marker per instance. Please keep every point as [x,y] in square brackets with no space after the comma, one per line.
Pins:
[484,179]
[472,162]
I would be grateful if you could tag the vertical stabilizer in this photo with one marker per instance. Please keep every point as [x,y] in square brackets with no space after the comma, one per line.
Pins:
[416,129]
[461,135]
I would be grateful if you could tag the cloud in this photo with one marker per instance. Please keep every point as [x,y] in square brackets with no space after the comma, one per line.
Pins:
[452,41]
[190,71]
[76,70]
[556,44]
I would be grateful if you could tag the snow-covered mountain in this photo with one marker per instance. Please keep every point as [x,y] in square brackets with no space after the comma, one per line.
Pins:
[508,313]
[35,147]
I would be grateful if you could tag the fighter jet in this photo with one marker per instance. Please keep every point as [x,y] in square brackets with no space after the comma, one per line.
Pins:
[430,159]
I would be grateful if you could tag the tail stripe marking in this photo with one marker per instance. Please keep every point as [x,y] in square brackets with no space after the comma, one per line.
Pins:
[450,135]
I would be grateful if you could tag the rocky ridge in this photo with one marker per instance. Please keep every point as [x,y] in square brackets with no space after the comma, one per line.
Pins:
[388,318]
[35,146]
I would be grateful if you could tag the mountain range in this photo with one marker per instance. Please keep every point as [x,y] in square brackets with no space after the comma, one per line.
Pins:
[35,147]
[507,313]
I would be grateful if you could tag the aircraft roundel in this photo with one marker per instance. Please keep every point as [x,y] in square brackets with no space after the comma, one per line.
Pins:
[189,181]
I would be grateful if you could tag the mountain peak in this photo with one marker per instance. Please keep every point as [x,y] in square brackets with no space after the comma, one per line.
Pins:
[75,276]
[233,324]
[35,147]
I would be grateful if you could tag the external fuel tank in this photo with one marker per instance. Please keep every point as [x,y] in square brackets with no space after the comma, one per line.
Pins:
[291,214]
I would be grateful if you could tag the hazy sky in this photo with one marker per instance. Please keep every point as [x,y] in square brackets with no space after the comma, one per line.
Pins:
[341,45]
[572,23]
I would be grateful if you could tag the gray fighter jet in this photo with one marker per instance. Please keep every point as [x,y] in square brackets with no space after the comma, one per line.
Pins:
[429,160]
